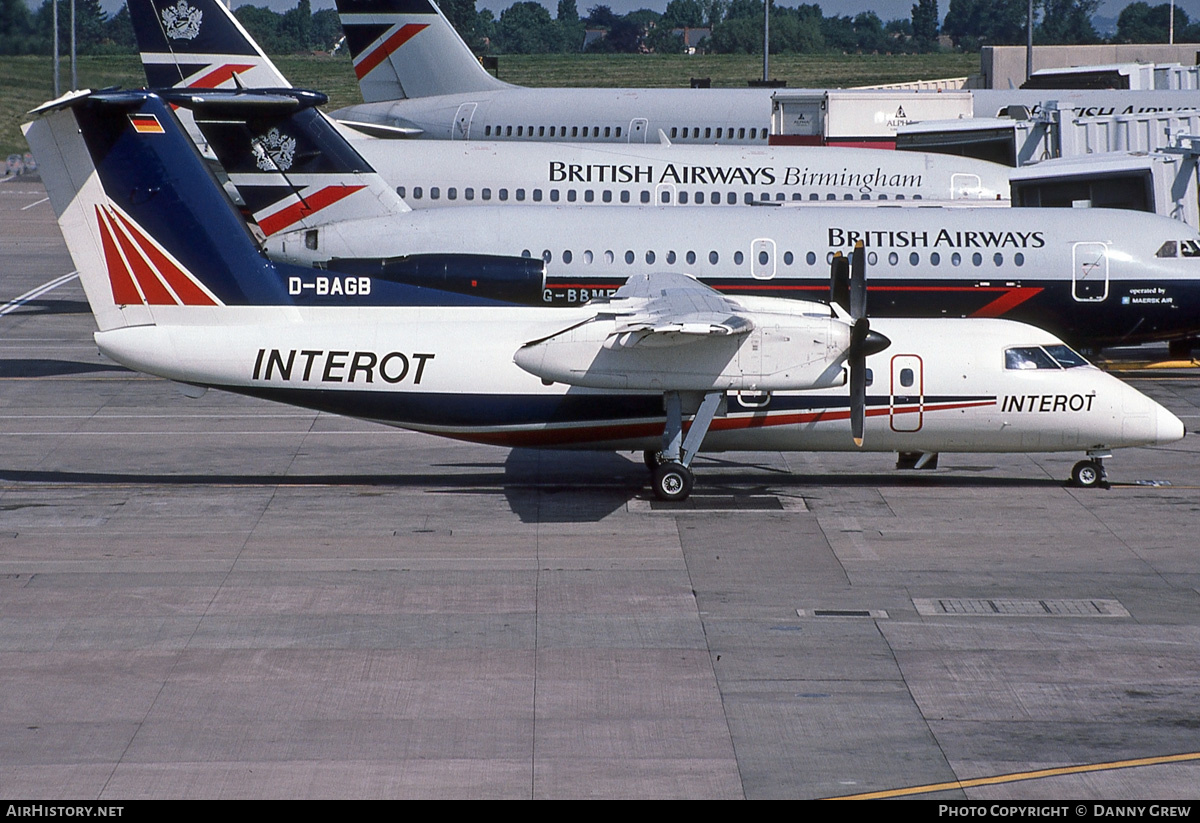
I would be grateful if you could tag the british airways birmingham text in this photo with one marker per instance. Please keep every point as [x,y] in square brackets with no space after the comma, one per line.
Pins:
[685,175]
[321,366]
[944,238]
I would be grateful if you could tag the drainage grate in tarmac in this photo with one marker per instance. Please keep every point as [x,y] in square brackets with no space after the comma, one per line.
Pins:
[872,614]
[1018,607]
[720,503]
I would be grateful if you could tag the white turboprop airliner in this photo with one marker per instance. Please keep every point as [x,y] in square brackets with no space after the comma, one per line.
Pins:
[179,290]
[1095,276]
[437,173]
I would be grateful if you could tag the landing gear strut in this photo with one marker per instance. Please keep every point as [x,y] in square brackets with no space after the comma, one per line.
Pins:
[672,477]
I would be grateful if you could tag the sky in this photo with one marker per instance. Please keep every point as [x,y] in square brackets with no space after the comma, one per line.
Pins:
[886,9]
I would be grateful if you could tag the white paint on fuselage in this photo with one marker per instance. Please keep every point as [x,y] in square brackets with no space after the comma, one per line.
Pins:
[468,351]
[433,174]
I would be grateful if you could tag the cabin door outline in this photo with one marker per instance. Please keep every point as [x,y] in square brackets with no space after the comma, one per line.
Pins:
[1089,272]
[906,404]
[462,122]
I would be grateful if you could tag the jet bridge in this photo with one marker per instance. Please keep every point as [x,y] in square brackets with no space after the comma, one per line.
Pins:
[1144,162]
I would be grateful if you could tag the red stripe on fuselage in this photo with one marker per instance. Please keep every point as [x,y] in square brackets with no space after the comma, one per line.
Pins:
[384,50]
[628,431]
[1007,302]
[311,204]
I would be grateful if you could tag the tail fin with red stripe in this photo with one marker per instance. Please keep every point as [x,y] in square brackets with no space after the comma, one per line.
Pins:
[147,224]
[198,44]
[407,48]
[291,166]
[158,242]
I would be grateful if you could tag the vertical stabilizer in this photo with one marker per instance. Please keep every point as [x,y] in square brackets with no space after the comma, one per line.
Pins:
[198,44]
[406,49]
[145,221]
[291,167]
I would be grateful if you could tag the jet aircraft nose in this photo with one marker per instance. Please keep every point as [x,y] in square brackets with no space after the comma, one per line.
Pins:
[1170,428]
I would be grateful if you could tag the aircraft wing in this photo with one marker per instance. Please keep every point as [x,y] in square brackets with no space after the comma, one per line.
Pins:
[668,332]
[668,308]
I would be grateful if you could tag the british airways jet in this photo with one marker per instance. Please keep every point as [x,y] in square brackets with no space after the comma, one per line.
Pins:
[1093,276]
[666,365]
[199,45]
[420,79]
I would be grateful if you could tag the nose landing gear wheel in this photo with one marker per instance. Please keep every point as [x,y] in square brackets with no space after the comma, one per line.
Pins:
[672,482]
[651,458]
[1089,474]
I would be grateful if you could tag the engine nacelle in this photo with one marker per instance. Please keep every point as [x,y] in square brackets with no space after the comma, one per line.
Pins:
[518,280]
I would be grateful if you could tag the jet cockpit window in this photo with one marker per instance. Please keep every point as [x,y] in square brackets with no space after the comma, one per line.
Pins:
[1191,248]
[1022,358]
[1067,357]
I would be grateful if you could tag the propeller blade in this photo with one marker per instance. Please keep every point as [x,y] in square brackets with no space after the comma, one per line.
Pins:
[839,281]
[858,282]
[858,399]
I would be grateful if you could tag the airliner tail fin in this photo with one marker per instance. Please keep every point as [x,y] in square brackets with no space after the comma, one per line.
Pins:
[407,48]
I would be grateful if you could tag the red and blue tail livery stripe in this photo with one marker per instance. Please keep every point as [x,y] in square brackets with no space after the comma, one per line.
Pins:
[219,75]
[372,57]
[303,205]
[140,271]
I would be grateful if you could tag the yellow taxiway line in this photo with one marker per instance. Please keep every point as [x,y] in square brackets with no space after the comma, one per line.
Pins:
[1016,777]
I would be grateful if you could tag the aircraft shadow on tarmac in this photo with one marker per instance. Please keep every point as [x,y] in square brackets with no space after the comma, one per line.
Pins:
[26,367]
[44,307]
[576,487]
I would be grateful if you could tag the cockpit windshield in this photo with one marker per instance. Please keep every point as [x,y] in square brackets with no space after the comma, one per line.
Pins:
[1042,357]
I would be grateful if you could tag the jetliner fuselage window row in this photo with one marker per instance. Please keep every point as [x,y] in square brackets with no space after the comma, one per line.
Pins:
[709,134]
[765,254]
[666,195]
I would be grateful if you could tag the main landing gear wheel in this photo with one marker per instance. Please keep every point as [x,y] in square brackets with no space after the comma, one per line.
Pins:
[672,482]
[1089,474]
[651,458]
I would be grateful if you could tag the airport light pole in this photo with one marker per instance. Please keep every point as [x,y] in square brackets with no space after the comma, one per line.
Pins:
[74,74]
[766,40]
[1029,43]
[54,14]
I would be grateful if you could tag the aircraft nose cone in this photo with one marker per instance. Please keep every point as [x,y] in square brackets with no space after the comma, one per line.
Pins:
[1170,428]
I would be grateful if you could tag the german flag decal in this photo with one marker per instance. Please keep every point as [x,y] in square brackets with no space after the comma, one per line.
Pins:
[146,124]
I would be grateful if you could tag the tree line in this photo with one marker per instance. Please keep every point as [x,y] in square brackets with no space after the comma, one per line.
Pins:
[733,27]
